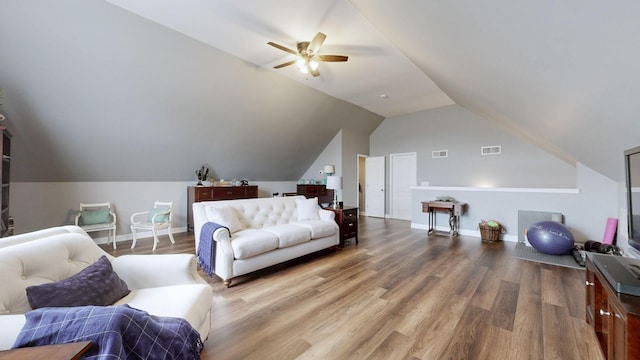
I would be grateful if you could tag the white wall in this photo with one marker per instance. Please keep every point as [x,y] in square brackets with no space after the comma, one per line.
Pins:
[44,204]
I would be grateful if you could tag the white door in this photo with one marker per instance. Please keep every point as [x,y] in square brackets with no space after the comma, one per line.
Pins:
[403,176]
[375,191]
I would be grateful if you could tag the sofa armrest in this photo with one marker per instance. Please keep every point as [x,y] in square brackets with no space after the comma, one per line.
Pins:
[327,215]
[224,257]
[147,271]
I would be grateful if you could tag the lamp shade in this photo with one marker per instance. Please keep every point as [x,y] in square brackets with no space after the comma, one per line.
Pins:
[334,182]
[329,169]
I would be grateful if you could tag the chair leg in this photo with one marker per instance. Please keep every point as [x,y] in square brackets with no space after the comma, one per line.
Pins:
[171,235]
[155,239]
[114,238]
[133,233]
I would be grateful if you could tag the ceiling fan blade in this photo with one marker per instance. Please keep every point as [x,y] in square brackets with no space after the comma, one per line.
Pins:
[285,64]
[316,43]
[332,58]
[285,49]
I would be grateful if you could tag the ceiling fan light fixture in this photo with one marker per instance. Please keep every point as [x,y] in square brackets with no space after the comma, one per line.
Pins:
[313,65]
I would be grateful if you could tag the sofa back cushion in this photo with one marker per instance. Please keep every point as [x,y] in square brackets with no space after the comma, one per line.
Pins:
[262,212]
[225,216]
[36,262]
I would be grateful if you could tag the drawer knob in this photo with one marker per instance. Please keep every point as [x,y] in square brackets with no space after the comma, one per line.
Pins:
[588,283]
[604,313]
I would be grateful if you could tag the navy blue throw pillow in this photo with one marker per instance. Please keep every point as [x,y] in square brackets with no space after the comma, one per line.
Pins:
[97,284]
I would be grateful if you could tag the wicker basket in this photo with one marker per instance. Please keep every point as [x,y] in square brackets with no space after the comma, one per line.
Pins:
[489,234]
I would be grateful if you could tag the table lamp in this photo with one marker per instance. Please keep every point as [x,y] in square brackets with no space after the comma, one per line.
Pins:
[329,170]
[334,183]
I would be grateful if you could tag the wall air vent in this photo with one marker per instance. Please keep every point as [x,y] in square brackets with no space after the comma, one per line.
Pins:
[437,154]
[491,150]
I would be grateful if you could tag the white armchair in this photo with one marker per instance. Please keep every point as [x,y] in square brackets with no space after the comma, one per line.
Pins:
[98,217]
[158,218]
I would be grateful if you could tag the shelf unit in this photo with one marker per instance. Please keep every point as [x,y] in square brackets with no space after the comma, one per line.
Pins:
[6,222]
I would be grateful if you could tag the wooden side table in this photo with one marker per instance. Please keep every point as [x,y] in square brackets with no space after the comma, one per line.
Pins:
[51,352]
[347,220]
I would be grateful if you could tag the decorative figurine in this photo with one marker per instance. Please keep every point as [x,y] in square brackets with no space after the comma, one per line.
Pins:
[202,174]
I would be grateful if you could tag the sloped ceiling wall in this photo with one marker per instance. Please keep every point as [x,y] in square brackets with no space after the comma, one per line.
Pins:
[95,93]
[563,74]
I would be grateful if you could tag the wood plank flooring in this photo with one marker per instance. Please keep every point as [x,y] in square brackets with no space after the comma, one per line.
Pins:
[399,294]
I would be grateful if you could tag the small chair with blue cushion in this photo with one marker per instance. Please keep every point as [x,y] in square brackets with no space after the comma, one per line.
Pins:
[157,218]
[98,217]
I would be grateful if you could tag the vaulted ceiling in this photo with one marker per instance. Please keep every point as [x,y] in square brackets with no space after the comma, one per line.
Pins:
[118,84]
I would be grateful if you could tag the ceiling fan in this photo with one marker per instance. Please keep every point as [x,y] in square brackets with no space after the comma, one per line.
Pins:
[308,56]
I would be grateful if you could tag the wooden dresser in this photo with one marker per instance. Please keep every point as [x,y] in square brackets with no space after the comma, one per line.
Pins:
[615,317]
[216,193]
[323,194]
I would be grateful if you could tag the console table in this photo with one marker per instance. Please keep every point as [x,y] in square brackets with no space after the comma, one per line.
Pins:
[455,209]
[615,317]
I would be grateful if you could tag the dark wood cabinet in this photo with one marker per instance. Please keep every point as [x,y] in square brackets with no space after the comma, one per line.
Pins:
[615,317]
[324,195]
[347,220]
[215,193]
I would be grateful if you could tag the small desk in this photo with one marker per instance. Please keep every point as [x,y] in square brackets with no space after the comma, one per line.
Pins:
[455,209]
[51,352]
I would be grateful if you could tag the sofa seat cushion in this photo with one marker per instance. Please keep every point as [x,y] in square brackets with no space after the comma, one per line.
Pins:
[251,242]
[319,228]
[191,302]
[289,234]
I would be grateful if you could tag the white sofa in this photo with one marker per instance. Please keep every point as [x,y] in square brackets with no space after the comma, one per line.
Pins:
[264,232]
[162,285]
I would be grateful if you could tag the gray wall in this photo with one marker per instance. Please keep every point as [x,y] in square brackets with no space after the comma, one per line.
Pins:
[587,200]
[463,133]
[96,93]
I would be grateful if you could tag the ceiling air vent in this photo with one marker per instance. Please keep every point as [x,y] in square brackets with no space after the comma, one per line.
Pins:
[440,154]
[491,150]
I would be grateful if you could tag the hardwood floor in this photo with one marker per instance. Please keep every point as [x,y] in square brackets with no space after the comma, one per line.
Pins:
[398,295]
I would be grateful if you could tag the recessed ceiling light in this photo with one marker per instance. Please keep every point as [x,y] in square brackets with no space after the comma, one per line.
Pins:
[384,96]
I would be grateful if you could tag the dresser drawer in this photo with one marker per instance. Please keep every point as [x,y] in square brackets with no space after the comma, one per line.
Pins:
[203,194]
[252,192]
[228,193]
[349,215]
[349,229]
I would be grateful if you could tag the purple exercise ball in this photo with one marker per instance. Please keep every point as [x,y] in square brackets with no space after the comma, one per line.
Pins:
[550,237]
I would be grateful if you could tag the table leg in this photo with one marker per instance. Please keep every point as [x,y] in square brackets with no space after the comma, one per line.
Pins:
[454,224]
[432,221]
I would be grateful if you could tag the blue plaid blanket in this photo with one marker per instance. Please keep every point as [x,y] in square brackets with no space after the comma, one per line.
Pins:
[207,247]
[116,332]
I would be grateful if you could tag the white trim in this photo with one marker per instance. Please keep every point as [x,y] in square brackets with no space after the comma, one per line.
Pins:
[480,189]
[141,235]
[474,233]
